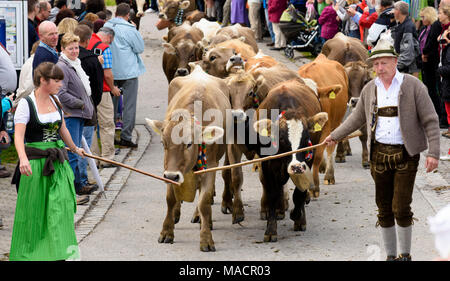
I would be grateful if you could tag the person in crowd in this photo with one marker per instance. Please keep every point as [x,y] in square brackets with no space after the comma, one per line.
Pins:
[444,66]
[368,17]
[127,67]
[32,33]
[47,47]
[329,21]
[276,9]
[99,44]
[429,62]
[226,13]
[78,9]
[218,4]
[101,15]
[90,63]
[59,5]
[67,25]
[44,9]
[254,8]
[350,26]
[268,23]
[405,40]
[44,218]
[62,14]
[300,5]
[401,128]
[98,24]
[91,17]
[210,10]
[26,85]
[8,82]
[239,12]
[74,95]
[384,21]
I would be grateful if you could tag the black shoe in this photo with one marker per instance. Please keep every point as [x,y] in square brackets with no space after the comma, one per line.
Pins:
[277,48]
[126,143]
[108,165]
[404,257]
[270,44]
[87,189]
[82,199]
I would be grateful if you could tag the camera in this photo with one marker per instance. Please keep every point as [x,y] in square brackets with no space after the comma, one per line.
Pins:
[121,90]
[98,51]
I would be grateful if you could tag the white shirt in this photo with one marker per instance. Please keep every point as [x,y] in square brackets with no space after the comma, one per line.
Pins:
[22,114]
[388,128]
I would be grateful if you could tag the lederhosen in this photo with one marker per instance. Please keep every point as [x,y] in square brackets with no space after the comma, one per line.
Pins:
[38,132]
[394,173]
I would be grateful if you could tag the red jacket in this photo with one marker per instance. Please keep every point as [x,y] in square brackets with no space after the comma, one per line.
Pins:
[102,46]
[329,23]
[276,9]
[366,20]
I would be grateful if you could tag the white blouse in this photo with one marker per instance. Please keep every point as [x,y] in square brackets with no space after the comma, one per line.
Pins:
[22,114]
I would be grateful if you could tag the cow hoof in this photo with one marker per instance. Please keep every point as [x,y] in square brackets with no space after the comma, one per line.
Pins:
[329,181]
[316,194]
[339,159]
[299,227]
[195,219]
[238,219]
[263,216]
[366,165]
[207,248]
[349,153]
[270,238]
[165,239]
[226,210]
[176,219]
[280,216]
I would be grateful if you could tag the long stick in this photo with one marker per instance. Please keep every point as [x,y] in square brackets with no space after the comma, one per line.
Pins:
[353,135]
[128,167]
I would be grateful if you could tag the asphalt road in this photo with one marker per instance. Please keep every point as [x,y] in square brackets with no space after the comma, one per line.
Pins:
[340,224]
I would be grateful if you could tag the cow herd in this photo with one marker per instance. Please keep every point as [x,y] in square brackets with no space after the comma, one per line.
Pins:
[227,99]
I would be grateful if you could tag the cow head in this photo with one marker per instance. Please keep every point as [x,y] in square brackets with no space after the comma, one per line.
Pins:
[169,8]
[359,75]
[184,52]
[181,135]
[294,130]
[241,85]
[216,61]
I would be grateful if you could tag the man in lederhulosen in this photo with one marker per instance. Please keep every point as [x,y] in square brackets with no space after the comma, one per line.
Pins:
[401,123]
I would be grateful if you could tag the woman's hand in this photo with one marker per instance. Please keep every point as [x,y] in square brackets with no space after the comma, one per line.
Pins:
[25,168]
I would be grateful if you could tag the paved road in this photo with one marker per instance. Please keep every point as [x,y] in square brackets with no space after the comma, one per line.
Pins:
[341,223]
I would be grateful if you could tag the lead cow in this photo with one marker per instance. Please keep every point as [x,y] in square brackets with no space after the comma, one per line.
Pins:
[180,158]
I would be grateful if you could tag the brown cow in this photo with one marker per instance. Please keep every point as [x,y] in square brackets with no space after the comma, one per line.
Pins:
[234,32]
[170,9]
[292,129]
[325,73]
[181,152]
[181,50]
[344,49]
[259,60]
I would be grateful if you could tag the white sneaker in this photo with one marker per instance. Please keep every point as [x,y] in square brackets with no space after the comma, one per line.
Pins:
[445,158]
[149,10]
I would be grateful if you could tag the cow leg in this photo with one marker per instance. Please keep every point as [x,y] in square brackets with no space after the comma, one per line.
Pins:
[275,202]
[365,151]
[177,212]
[204,208]
[340,153]
[227,195]
[329,174]
[347,148]
[167,233]
[298,214]
[263,211]
[236,184]
[318,156]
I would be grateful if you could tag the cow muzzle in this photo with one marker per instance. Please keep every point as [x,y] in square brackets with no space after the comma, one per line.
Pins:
[304,180]
[297,168]
[235,63]
[239,115]
[162,16]
[182,72]
[174,176]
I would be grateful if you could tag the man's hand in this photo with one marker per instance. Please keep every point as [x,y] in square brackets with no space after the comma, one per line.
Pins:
[4,134]
[329,141]
[115,91]
[101,59]
[431,164]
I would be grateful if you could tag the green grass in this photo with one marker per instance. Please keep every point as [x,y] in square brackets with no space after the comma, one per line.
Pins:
[9,155]
[110,2]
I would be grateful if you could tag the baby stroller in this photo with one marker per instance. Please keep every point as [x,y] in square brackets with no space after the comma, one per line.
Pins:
[300,32]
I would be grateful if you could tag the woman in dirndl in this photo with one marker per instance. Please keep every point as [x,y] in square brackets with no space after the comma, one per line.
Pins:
[44,218]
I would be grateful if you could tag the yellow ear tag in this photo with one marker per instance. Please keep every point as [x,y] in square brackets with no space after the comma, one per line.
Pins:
[264,132]
[332,95]
[317,127]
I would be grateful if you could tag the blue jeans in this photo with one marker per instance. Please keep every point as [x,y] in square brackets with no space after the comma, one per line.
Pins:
[269,25]
[75,126]
[88,131]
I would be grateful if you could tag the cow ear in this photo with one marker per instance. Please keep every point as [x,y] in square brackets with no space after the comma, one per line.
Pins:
[161,4]
[184,5]
[169,49]
[329,92]
[263,127]
[165,38]
[316,123]
[156,125]
[211,134]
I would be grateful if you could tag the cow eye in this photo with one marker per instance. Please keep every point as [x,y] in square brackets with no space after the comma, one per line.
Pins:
[189,145]
[250,94]
[212,58]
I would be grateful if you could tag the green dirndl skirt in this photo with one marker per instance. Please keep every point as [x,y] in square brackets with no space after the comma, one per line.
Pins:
[44,220]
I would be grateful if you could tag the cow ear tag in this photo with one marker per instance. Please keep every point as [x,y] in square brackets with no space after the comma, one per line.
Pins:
[264,132]
[317,127]
[332,95]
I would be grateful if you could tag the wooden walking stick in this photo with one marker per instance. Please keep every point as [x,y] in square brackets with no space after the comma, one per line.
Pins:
[128,167]
[353,135]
